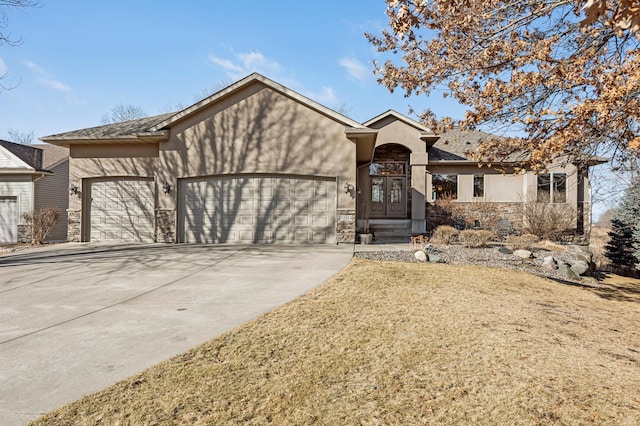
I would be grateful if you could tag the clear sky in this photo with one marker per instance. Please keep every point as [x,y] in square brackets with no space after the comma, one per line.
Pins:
[79,59]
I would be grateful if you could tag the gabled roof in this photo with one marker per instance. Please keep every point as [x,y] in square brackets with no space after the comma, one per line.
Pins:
[390,116]
[239,85]
[401,117]
[21,157]
[154,128]
[122,131]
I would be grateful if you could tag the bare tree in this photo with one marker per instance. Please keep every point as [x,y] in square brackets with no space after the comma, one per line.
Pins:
[19,136]
[122,112]
[563,74]
[5,36]
[5,7]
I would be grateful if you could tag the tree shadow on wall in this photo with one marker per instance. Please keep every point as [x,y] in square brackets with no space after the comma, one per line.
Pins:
[257,169]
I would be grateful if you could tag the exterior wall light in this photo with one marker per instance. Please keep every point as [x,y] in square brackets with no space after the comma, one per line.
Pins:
[347,187]
[73,189]
[166,187]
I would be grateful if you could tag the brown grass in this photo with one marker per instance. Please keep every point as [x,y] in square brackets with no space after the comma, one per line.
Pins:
[401,343]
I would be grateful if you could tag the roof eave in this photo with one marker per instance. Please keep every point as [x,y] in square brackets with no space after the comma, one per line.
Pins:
[429,138]
[10,171]
[146,137]
[400,117]
[365,140]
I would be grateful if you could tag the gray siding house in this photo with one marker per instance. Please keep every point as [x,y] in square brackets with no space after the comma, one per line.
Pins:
[26,184]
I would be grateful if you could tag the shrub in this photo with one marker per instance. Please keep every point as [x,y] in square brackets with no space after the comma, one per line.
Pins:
[445,234]
[525,241]
[41,222]
[472,238]
[547,220]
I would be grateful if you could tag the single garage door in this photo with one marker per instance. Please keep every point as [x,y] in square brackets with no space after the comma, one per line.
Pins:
[122,210]
[258,209]
[8,219]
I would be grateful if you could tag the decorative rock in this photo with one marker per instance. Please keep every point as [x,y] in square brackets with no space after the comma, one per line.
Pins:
[549,263]
[435,258]
[421,256]
[566,272]
[523,254]
[505,250]
[580,267]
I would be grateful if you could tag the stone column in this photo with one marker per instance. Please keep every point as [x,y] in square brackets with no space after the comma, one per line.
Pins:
[74,228]
[346,226]
[165,225]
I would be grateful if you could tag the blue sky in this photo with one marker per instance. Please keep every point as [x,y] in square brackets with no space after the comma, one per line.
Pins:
[81,58]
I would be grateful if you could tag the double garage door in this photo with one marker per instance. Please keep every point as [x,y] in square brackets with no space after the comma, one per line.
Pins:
[121,209]
[224,209]
[257,209]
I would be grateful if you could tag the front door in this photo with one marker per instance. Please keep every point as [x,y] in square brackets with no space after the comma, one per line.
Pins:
[388,196]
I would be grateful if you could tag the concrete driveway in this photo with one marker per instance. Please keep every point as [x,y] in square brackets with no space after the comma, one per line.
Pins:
[76,318]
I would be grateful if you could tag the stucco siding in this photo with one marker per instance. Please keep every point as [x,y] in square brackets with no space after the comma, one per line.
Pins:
[399,132]
[21,187]
[52,191]
[258,131]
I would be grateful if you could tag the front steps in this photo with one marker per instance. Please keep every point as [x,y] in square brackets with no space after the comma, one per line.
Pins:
[390,230]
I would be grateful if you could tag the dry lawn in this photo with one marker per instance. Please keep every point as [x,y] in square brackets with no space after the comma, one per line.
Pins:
[405,344]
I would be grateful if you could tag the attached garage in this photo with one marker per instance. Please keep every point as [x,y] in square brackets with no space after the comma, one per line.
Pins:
[9,219]
[257,209]
[120,209]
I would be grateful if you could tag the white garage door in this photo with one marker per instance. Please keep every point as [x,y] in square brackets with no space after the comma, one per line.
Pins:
[122,210]
[258,209]
[8,219]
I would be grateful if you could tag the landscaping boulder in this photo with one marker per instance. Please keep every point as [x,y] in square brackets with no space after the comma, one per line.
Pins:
[505,250]
[580,267]
[549,264]
[434,258]
[421,256]
[523,254]
[566,272]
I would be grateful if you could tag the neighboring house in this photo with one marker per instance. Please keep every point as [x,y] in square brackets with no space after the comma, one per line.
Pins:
[258,162]
[24,186]
[53,190]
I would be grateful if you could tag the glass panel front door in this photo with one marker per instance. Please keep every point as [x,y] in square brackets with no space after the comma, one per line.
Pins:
[377,196]
[388,196]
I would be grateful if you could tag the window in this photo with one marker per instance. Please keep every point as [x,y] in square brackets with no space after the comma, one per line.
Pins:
[478,186]
[387,169]
[544,188]
[445,186]
[559,187]
[552,188]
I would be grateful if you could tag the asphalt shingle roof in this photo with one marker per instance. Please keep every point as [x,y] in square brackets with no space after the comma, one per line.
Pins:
[27,153]
[113,131]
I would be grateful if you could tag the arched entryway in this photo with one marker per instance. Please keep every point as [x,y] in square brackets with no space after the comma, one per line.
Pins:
[390,180]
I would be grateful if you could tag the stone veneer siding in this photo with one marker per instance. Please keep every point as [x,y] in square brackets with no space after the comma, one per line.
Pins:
[165,225]
[346,226]
[24,233]
[74,229]
[468,211]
